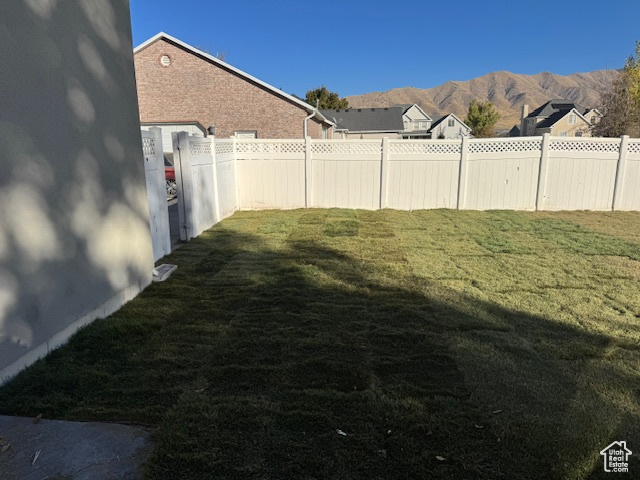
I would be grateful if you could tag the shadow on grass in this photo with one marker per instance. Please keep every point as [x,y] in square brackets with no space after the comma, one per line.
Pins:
[303,352]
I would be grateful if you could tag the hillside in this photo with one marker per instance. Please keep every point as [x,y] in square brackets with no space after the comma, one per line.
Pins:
[508,92]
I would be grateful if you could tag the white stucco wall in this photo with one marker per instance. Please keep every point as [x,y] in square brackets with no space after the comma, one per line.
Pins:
[74,221]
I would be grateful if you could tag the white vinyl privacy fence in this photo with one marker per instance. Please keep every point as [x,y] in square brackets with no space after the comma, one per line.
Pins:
[217,177]
[206,183]
[528,173]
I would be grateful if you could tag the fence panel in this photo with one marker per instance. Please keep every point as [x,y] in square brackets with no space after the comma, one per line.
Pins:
[225,165]
[581,173]
[630,185]
[197,189]
[554,173]
[423,174]
[156,192]
[345,174]
[271,174]
[502,174]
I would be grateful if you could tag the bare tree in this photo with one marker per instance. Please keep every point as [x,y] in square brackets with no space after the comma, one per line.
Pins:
[620,104]
[221,55]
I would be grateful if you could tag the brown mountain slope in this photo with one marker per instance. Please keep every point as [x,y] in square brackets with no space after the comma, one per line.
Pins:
[508,92]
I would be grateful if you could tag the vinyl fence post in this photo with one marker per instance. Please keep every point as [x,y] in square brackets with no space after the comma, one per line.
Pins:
[307,172]
[542,171]
[384,173]
[621,170]
[462,172]
[235,172]
[216,192]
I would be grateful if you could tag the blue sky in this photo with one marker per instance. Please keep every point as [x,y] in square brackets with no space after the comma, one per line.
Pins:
[358,46]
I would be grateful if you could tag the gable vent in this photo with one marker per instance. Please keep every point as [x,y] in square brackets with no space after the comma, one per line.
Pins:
[165,60]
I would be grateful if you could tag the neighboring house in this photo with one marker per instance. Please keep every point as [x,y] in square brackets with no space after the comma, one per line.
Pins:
[559,118]
[403,121]
[179,84]
[416,122]
[449,126]
[367,122]
[514,132]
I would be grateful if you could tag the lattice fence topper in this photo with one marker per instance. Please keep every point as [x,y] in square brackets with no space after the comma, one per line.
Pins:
[608,146]
[276,147]
[634,147]
[347,147]
[223,148]
[200,148]
[148,146]
[504,146]
[424,147]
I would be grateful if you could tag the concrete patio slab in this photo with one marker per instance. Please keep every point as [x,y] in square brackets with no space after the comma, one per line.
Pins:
[61,450]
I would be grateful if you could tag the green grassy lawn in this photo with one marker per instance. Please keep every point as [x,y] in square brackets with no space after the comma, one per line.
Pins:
[443,344]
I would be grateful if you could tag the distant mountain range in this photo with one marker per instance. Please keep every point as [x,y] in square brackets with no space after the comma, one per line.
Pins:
[508,92]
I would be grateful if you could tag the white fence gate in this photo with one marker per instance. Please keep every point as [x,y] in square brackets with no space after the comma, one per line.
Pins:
[156,192]
[199,192]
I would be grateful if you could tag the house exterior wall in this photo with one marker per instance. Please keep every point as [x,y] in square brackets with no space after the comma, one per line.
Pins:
[563,125]
[412,115]
[193,89]
[75,242]
[365,135]
[443,129]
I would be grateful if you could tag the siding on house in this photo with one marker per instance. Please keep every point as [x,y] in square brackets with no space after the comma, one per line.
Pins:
[192,88]
[580,127]
[441,128]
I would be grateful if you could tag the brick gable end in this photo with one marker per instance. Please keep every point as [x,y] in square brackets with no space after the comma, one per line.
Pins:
[192,88]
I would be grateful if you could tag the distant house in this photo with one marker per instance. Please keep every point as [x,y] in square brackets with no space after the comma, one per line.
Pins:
[403,121]
[183,88]
[449,126]
[514,132]
[559,118]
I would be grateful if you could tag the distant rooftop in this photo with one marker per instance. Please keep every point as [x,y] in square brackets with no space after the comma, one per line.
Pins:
[555,106]
[383,119]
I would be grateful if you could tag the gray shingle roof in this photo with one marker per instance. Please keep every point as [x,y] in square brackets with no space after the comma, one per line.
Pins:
[552,119]
[555,106]
[437,119]
[383,119]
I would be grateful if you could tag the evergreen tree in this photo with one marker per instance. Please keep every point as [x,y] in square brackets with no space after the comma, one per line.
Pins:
[325,98]
[481,117]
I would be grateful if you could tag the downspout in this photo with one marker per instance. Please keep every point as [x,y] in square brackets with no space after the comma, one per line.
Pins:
[306,120]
